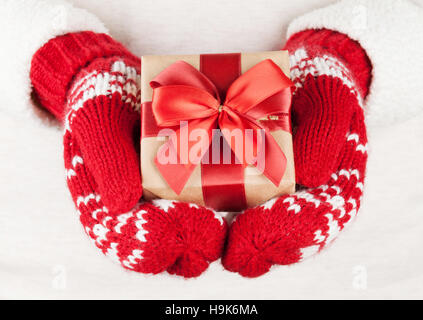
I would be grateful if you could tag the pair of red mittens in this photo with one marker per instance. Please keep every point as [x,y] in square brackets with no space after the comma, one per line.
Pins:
[90,82]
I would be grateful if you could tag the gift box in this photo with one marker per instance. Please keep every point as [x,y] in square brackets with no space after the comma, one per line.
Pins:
[216,128]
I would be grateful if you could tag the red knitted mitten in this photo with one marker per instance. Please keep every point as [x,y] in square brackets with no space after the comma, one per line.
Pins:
[91,82]
[332,74]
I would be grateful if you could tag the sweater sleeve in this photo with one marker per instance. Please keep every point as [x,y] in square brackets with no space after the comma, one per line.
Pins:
[26,25]
[390,32]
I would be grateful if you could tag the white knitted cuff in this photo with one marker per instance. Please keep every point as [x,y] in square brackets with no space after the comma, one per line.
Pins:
[25,26]
[391,32]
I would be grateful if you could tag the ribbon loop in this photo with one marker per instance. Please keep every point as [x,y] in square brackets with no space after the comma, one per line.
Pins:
[170,105]
[255,86]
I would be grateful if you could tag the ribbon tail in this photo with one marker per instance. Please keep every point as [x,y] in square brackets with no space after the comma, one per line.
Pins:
[186,148]
[273,159]
[263,152]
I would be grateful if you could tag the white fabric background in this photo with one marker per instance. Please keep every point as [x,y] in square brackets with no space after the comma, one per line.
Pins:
[44,252]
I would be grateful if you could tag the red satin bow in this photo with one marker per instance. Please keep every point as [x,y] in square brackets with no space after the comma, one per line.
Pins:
[182,93]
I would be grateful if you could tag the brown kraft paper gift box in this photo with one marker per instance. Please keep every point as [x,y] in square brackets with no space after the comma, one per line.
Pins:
[258,189]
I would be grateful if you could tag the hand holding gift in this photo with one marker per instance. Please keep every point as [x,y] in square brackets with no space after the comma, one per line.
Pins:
[337,67]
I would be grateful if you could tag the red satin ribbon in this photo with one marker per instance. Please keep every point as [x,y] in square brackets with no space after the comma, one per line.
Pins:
[223,185]
[182,93]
